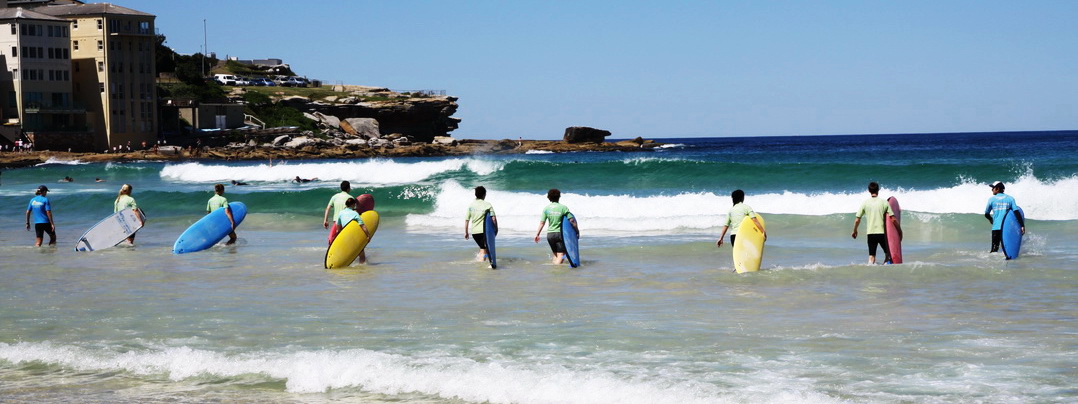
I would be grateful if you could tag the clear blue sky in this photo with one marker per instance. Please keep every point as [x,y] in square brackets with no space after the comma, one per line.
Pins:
[674,69]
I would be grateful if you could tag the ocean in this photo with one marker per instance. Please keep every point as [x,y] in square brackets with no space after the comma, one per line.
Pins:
[654,315]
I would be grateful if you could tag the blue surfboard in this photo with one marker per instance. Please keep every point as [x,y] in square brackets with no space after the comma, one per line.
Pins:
[490,230]
[209,230]
[572,240]
[1012,234]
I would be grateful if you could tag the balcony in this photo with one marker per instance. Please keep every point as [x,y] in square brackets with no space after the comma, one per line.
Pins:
[49,108]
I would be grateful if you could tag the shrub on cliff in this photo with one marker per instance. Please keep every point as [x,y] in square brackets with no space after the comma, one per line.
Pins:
[275,114]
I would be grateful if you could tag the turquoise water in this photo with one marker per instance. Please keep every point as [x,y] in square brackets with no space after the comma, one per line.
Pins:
[654,315]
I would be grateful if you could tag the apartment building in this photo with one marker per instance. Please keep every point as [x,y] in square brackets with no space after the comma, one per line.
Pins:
[112,68]
[36,82]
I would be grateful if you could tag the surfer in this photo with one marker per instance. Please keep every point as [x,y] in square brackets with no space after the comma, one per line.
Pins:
[67,179]
[41,211]
[349,214]
[337,203]
[476,218]
[997,208]
[219,201]
[299,180]
[553,213]
[738,213]
[877,210]
[98,179]
[123,201]
[237,183]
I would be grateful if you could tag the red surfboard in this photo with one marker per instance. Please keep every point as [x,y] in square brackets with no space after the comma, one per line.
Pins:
[894,239]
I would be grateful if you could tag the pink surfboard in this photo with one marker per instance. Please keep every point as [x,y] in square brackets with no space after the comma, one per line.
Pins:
[894,240]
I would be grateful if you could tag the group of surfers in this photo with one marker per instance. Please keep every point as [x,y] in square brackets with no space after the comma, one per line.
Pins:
[345,208]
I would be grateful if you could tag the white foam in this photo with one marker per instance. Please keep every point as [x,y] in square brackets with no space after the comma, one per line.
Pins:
[54,160]
[432,373]
[705,212]
[538,152]
[671,146]
[369,172]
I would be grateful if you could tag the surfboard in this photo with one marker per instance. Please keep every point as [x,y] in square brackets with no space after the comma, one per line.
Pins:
[490,230]
[110,231]
[209,230]
[571,239]
[364,203]
[351,241]
[749,245]
[1012,234]
[894,239]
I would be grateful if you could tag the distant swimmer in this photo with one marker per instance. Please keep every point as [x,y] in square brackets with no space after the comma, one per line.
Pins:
[349,214]
[553,214]
[299,180]
[123,201]
[237,183]
[738,213]
[476,218]
[41,211]
[877,210]
[997,208]
[67,179]
[334,208]
[98,179]
[219,201]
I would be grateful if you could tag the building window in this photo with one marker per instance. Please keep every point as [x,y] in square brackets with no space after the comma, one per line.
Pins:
[14,51]
[14,29]
[75,24]
[100,66]
[66,52]
[75,44]
[100,45]
[101,86]
[144,27]
[100,24]
[65,32]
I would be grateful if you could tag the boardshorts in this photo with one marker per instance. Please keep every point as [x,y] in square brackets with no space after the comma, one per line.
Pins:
[557,244]
[480,240]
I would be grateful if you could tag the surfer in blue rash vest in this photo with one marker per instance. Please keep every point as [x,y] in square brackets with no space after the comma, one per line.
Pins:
[877,210]
[41,210]
[553,214]
[997,208]
[349,214]
[475,219]
[737,213]
[219,201]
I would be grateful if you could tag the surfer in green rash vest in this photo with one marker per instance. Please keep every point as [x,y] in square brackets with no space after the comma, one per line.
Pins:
[474,220]
[552,214]
[738,213]
[123,201]
[335,206]
[877,210]
[219,201]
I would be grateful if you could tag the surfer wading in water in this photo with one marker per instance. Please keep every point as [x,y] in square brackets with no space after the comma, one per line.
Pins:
[552,214]
[876,210]
[123,201]
[219,201]
[475,219]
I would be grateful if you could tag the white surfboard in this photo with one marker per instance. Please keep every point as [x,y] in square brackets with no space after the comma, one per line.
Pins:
[110,231]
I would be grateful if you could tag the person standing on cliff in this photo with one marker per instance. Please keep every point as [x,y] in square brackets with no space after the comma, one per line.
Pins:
[334,208]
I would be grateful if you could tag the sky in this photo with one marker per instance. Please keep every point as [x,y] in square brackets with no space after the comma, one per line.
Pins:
[673,68]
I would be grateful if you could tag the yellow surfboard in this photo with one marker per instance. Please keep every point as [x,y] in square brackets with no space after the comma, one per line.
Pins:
[749,245]
[351,241]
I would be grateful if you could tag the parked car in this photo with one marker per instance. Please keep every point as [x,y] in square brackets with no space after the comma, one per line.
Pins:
[243,81]
[294,82]
[225,79]
[262,82]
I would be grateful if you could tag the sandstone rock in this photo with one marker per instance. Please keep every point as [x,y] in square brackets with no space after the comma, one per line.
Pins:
[356,142]
[329,121]
[584,134]
[280,140]
[332,98]
[338,88]
[379,142]
[252,143]
[300,142]
[365,127]
[402,141]
[348,100]
[638,140]
[627,143]
[445,140]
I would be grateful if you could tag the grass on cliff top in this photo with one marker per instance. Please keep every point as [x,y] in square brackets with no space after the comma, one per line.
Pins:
[312,93]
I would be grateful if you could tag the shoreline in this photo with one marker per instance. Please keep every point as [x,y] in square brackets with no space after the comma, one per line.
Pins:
[9,160]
